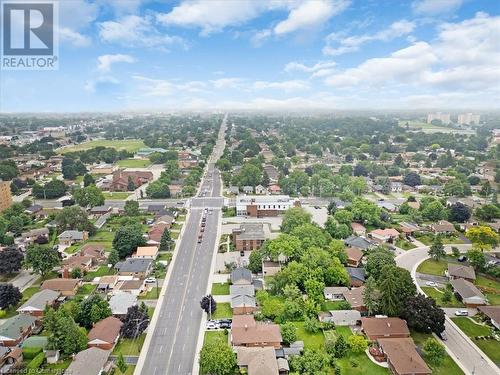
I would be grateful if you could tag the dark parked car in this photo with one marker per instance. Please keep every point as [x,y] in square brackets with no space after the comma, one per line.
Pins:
[462,258]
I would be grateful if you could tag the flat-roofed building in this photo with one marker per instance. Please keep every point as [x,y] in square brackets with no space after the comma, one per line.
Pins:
[264,205]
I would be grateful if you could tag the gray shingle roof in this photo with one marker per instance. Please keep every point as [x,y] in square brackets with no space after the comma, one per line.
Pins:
[241,274]
[359,242]
[12,326]
[134,265]
[88,362]
[40,300]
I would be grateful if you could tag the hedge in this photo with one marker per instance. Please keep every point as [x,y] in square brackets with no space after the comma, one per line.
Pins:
[30,353]
[36,362]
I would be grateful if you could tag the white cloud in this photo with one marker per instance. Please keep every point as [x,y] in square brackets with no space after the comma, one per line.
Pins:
[310,14]
[292,85]
[299,67]
[103,81]
[135,31]
[105,61]
[151,87]
[227,83]
[338,44]
[260,36]
[73,37]
[433,7]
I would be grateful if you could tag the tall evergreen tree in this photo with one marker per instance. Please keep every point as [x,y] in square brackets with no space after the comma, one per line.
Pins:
[389,291]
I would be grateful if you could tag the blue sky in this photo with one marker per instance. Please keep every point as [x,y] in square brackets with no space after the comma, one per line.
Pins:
[120,55]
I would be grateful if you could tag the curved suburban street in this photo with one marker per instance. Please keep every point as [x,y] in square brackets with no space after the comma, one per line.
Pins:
[467,355]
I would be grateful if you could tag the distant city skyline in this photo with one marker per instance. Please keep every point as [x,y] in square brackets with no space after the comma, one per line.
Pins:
[145,55]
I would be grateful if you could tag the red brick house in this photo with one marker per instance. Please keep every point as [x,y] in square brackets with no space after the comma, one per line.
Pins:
[105,333]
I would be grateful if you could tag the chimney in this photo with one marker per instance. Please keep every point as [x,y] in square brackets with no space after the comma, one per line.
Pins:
[246,327]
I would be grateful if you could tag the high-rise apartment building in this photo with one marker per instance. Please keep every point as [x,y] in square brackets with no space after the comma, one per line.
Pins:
[468,119]
[444,117]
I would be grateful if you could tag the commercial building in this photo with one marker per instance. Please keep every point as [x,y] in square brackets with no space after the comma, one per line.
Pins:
[264,205]
[249,236]
[5,195]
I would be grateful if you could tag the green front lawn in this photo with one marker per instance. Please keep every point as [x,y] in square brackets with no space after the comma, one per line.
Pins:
[220,289]
[167,256]
[311,340]
[116,195]
[152,294]
[432,292]
[471,329]
[211,336]
[432,267]
[133,163]
[428,239]
[174,235]
[130,370]
[223,311]
[129,346]
[101,271]
[448,366]
[86,289]
[28,292]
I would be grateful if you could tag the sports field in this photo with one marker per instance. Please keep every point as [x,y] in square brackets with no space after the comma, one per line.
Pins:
[131,145]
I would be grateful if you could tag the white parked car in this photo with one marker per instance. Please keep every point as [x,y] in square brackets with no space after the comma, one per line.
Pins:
[431,283]
[212,325]
[150,280]
[461,313]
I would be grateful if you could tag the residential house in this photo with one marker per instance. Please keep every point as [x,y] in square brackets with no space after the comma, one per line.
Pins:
[84,263]
[29,237]
[37,303]
[165,219]
[245,331]
[69,237]
[409,228]
[155,233]
[359,242]
[134,287]
[136,267]
[122,179]
[492,313]
[146,252]
[461,271]
[260,190]
[272,172]
[270,268]
[249,236]
[247,189]
[233,190]
[264,205]
[94,251]
[119,303]
[388,235]
[107,283]
[257,361]
[10,359]
[14,330]
[468,293]
[356,276]
[103,169]
[36,211]
[358,229]
[443,227]
[105,333]
[389,206]
[354,256]
[376,328]
[396,187]
[274,189]
[97,211]
[341,317]
[334,293]
[65,287]
[91,361]
[175,190]
[241,276]
[355,298]
[242,299]
[402,357]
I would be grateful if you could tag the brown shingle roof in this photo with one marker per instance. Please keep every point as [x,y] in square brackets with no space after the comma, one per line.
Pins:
[106,330]
[384,327]
[259,361]
[492,312]
[354,296]
[403,357]
[254,333]
[353,253]
[60,285]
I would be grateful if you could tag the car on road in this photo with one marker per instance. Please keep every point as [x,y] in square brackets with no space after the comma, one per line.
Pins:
[225,325]
[200,238]
[493,262]
[150,280]
[442,336]
[462,258]
[461,313]
[431,283]
[180,203]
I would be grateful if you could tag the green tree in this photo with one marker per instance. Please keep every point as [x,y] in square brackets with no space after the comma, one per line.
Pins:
[436,251]
[311,325]
[88,180]
[341,347]
[217,358]
[376,260]
[389,291]
[294,217]
[314,290]
[434,211]
[447,296]
[477,259]
[357,343]
[166,240]
[336,248]
[127,239]
[131,208]
[89,196]
[74,218]
[51,190]
[9,296]
[288,333]
[113,257]
[41,259]
[64,333]
[120,363]
[371,296]
[311,362]
[92,310]
[255,261]
[130,184]
[11,260]
[434,351]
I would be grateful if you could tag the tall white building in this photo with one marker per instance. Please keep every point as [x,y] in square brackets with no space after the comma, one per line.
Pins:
[444,117]
[468,118]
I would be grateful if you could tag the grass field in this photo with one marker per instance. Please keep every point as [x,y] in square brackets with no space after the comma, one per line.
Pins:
[129,346]
[101,271]
[117,195]
[133,163]
[471,329]
[220,289]
[488,283]
[86,289]
[431,292]
[311,340]
[211,336]
[332,305]
[448,366]
[430,128]
[223,311]
[131,145]
[432,267]
[152,294]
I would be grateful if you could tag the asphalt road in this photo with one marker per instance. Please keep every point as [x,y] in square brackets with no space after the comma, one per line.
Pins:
[174,336]
[472,360]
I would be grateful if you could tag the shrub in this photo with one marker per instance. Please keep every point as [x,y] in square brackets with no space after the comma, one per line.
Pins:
[36,362]
[30,353]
